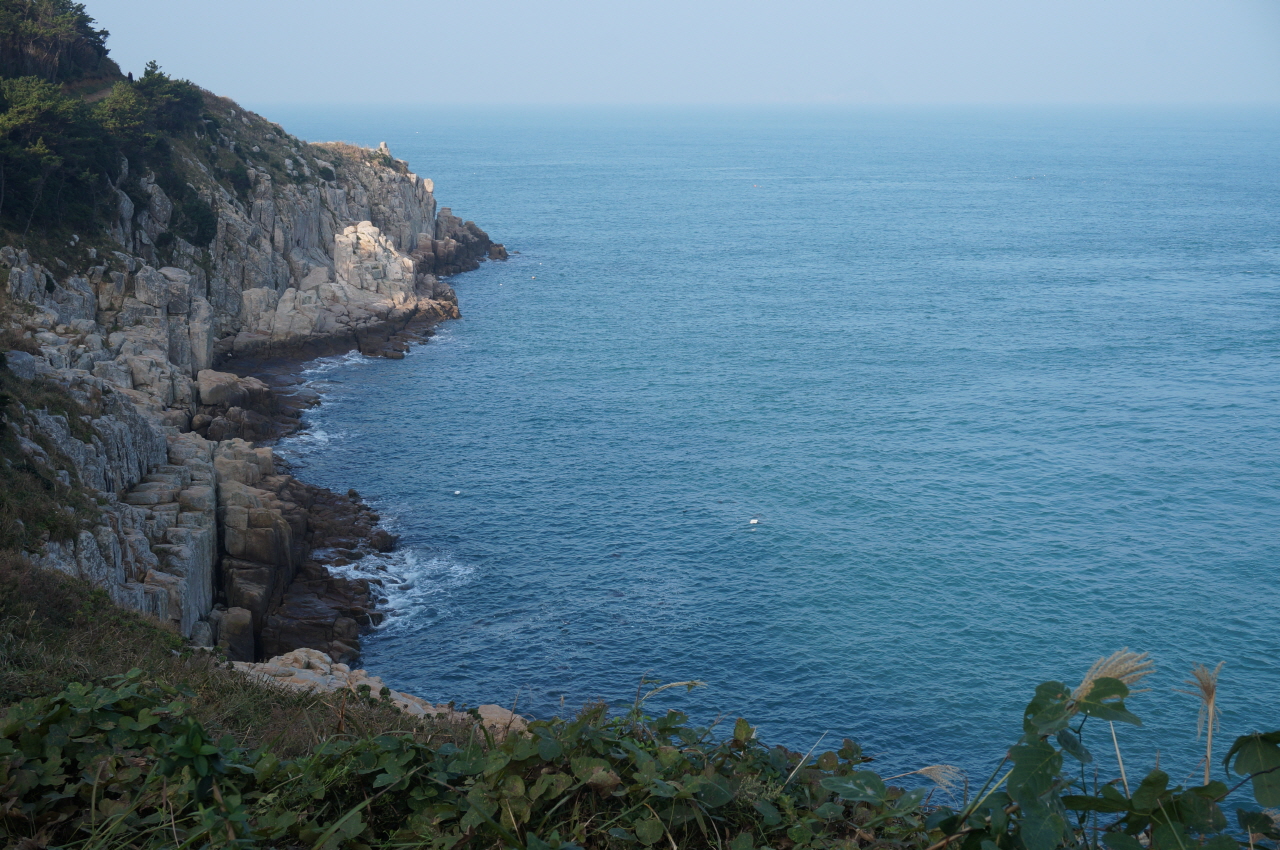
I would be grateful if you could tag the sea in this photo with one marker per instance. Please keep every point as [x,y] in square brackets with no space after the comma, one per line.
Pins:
[867,420]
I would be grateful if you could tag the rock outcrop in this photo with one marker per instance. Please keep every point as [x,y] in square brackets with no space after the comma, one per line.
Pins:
[197,523]
[309,670]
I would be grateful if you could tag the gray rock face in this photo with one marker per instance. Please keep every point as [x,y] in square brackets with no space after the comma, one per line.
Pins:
[21,364]
[191,520]
[236,634]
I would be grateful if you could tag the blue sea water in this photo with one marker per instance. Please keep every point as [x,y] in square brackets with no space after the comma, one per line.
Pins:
[1001,389]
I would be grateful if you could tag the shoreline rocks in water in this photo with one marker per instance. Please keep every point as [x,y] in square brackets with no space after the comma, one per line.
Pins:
[311,670]
[182,360]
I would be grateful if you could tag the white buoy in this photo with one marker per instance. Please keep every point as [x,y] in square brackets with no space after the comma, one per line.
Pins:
[754,521]
[457,492]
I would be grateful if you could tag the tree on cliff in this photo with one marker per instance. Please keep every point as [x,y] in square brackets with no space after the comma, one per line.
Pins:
[54,40]
[60,159]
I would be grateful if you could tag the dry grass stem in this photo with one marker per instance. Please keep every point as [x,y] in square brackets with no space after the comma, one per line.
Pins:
[1119,759]
[1128,667]
[1204,684]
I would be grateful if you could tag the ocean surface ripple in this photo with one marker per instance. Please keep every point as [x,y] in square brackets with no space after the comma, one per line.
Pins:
[1000,390]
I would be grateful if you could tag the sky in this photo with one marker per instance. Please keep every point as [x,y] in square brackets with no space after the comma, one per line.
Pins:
[686,52]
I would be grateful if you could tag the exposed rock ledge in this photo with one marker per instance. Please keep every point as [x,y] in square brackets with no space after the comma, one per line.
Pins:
[198,526]
[309,670]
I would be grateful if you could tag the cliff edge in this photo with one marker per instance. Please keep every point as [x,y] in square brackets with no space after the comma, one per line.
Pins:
[215,237]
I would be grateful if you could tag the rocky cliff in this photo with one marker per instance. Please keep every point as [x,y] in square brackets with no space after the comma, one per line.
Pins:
[310,248]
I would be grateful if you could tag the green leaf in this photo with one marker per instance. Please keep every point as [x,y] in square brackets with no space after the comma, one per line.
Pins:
[744,841]
[800,834]
[714,793]
[1258,823]
[551,785]
[585,767]
[549,749]
[1041,828]
[861,786]
[1221,842]
[1035,767]
[768,811]
[910,800]
[1169,836]
[1147,797]
[1200,813]
[742,731]
[649,831]
[1072,746]
[1047,711]
[1105,701]
[1121,841]
[829,811]
[524,748]
[1254,754]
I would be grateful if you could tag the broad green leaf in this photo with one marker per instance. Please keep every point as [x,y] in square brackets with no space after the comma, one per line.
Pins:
[861,786]
[742,731]
[1259,823]
[1169,836]
[910,800]
[714,793]
[800,834]
[1072,746]
[744,841]
[768,811]
[1035,767]
[1254,754]
[468,763]
[1147,797]
[1221,842]
[1200,813]
[549,749]
[1105,701]
[585,767]
[1041,828]
[829,811]
[1047,711]
[524,748]
[1121,841]
[551,785]
[649,831]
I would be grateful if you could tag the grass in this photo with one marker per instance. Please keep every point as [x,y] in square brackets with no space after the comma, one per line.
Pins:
[35,504]
[55,629]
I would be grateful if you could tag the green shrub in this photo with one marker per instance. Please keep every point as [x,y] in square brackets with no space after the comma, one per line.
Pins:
[129,764]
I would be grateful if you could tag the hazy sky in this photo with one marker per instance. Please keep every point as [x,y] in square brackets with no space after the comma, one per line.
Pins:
[708,51]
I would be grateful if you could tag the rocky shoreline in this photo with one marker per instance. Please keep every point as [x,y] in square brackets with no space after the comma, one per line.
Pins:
[180,365]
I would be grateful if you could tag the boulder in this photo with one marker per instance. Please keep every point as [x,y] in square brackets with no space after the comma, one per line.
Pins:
[21,364]
[235,634]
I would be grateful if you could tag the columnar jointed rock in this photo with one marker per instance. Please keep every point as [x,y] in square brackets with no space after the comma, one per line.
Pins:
[197,527]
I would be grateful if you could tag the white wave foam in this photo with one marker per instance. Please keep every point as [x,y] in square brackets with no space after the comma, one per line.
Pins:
[325,365]
[414,588]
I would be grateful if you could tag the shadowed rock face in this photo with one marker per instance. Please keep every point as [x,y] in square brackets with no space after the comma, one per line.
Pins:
[198,524]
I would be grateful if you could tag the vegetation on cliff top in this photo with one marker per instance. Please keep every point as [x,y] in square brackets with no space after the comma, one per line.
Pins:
[190,754]
[75,132]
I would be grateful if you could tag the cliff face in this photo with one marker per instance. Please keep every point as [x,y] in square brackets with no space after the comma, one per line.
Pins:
[314,247]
